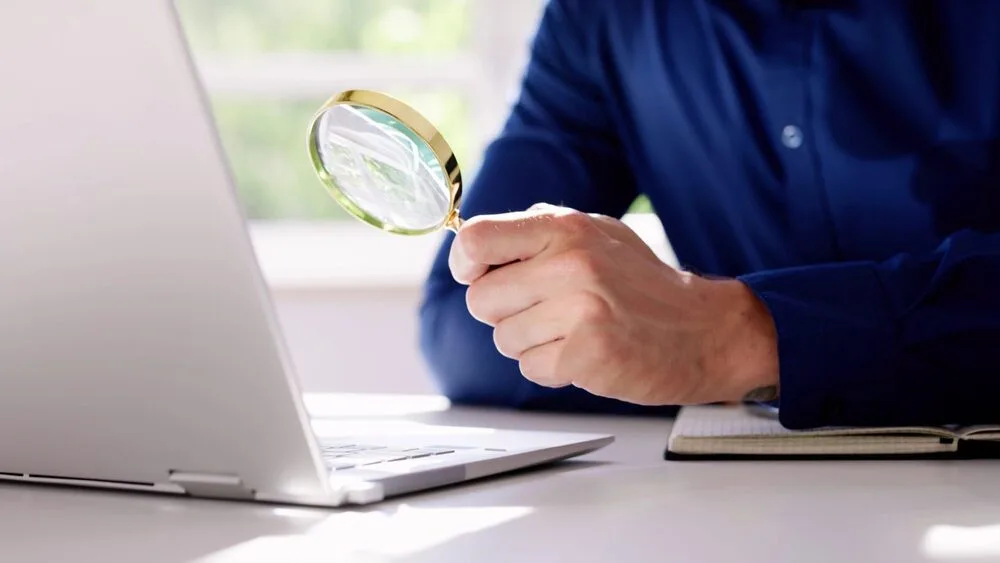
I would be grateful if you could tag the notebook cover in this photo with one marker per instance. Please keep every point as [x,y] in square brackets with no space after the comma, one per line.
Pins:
[967,449]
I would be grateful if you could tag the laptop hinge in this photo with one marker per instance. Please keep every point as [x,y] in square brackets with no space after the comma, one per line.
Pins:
[212,485]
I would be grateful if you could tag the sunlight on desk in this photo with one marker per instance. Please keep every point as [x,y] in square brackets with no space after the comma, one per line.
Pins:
[371,536]
[355,405]
[962,542]
[346,414]
[391,427]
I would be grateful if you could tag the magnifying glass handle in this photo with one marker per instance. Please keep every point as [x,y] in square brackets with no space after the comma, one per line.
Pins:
[454,222]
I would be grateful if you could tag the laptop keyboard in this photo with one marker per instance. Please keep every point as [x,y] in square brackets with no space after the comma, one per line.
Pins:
[340,456]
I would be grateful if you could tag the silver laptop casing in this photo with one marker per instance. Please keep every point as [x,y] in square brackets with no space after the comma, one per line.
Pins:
[138,346]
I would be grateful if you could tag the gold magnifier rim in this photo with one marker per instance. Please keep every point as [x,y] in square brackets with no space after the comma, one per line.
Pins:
[417,123]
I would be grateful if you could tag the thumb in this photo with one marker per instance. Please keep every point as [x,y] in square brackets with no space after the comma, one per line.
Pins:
[463,268]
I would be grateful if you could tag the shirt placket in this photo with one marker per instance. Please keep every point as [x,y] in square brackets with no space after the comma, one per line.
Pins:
[793,124]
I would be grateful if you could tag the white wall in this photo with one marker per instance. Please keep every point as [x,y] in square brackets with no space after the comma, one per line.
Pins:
[354,340]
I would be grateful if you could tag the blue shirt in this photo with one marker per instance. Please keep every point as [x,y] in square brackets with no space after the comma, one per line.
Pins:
[842,158]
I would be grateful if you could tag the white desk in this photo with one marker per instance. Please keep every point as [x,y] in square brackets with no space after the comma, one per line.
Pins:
[622,503]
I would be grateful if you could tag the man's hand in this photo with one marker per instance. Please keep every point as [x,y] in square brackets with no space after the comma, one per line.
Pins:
[581,300]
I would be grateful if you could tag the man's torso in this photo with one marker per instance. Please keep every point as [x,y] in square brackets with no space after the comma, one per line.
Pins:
[769,136]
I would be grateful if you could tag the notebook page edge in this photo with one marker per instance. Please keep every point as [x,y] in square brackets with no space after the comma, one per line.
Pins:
[818,446]
[755,426]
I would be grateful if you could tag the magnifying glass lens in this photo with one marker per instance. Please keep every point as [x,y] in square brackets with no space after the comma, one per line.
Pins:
[381,170]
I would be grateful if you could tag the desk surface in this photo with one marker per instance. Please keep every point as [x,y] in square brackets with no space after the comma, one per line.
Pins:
[622,503]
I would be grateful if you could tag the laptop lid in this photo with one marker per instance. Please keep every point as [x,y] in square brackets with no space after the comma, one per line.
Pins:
[137,342]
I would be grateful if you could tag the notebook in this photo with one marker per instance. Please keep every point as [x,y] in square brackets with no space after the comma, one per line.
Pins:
[742,432]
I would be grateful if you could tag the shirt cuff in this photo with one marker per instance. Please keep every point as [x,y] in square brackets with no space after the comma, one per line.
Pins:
[836,342]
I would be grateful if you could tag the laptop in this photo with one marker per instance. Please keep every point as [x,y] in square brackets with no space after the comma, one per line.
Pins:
[138,345]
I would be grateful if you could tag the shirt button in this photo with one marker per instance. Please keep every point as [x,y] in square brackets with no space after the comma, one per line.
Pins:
[791,137]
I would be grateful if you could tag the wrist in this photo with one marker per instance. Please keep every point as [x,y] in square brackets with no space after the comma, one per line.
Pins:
[750,359]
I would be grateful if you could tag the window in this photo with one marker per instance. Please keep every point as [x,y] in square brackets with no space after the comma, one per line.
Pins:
[269,64]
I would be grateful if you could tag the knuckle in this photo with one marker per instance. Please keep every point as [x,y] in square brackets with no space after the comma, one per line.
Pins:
[540,368]
[592,309]
[477,302]
[538,373]
[529,369]
[504,342]
[576,222]
[603,351]
[596,386]
[580,263]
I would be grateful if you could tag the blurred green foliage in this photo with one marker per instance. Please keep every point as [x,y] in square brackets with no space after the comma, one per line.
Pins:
[371,26]
[265,139]
[265,142]
[641,205]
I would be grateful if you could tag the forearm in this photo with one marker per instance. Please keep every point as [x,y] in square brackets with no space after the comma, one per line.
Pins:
[468,369]
[914,340]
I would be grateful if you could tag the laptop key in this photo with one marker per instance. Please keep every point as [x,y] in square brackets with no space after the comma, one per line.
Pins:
[376,461]
[373,460]
[424,452]
[395,453]
[369,459]
[336,466]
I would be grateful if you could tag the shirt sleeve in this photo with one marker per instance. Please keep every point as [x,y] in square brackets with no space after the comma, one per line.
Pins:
[914,340]
[557,146]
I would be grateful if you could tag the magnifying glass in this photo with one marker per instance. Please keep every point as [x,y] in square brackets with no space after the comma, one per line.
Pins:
[385,163]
